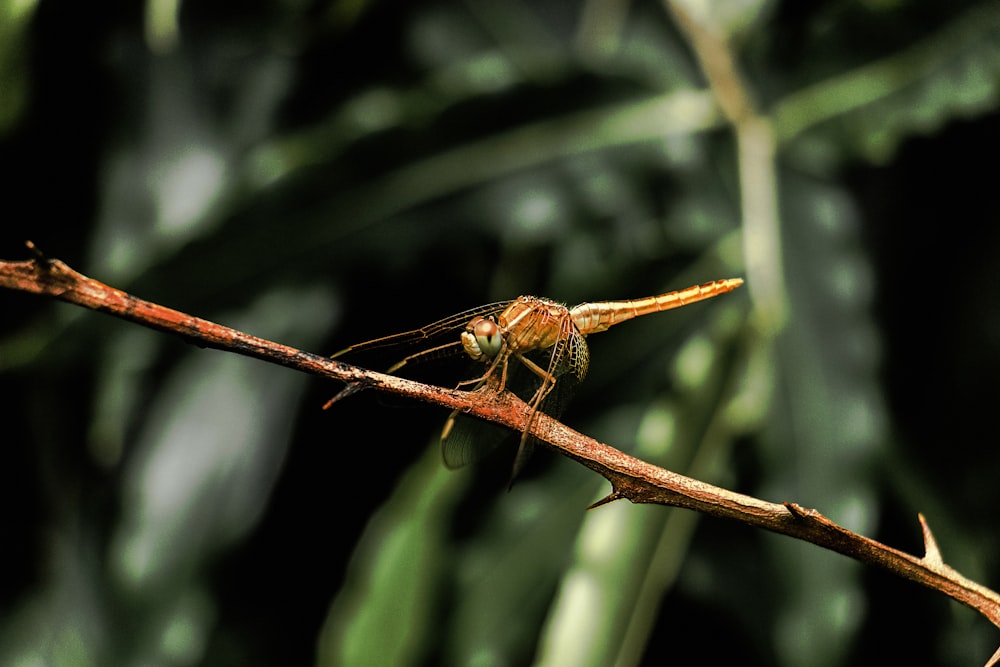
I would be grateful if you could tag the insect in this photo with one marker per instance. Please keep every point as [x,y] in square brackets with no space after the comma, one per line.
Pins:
[543,336]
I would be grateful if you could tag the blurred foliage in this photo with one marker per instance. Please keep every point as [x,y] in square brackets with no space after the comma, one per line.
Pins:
[321,173]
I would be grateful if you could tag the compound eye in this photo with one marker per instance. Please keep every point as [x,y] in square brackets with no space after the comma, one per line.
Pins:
[487,334]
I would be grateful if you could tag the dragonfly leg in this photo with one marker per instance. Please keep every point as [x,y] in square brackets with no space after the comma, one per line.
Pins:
[526,446]
[548,380]
[501,361]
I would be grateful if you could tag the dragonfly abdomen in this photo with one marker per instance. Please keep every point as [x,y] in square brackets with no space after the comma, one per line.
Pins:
[599,316]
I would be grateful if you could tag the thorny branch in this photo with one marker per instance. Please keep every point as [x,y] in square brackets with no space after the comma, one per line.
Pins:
[631,478]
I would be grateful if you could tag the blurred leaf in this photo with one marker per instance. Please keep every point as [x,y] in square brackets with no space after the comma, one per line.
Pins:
[15,20]
[385,614]
[828,422]
[952,74]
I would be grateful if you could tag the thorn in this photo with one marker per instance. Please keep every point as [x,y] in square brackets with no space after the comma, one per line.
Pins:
[796,511]
[352,388]
[931,552]
[611,497]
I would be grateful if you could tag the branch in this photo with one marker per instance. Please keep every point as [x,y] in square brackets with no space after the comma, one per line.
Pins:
[631,478]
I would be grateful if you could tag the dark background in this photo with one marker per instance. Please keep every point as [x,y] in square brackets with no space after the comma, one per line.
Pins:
[323,173]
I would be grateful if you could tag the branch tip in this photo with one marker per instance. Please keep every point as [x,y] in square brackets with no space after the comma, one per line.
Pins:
[36,251]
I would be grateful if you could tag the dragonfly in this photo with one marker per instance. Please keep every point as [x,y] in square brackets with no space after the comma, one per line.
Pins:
[541,335]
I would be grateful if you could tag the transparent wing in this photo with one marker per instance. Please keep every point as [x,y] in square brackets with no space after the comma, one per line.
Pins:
[427,333]
[438,340]
[466,439]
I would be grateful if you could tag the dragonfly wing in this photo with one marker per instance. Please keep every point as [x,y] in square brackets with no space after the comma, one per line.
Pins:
[439,342]
[429,332]
[465,440]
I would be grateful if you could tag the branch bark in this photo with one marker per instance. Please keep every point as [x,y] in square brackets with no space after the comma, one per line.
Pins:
[631,479]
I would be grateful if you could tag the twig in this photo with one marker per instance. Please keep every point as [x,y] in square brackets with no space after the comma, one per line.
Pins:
[630,478]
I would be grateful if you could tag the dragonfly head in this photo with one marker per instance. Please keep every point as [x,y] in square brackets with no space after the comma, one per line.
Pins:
[481,339]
